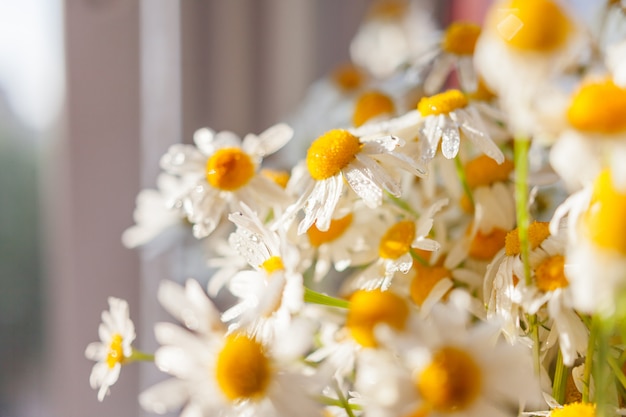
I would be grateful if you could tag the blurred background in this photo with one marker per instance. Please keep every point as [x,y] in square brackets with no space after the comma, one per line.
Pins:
[92,92]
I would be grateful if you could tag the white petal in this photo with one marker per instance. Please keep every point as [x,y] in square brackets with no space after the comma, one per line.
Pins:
[165,396]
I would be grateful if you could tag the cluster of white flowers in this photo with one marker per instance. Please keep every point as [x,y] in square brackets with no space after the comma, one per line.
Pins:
[438,251]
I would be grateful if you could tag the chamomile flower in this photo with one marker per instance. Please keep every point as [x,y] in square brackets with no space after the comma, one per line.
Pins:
[523,44]
[455,50]
[449,368]
[117,334]
[597,137]
[397,249]
[224,171]
[597,254]
[216,372]
[339,156]
[448,117]
[271,292]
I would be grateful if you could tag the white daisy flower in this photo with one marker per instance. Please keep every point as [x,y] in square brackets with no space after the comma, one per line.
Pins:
[451,368]
[448,117]
[454,51]
[597,137]
[397,250]
[339,156]
[272,292]
[117,334]
[524,43]
[596,256]
[224,374]
[224,171]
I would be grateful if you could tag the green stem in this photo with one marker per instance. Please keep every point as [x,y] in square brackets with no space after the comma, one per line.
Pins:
[602,376]
[315,297]
[402,204]
[343,401]
[139,356]
[337,403]
[560,379]
[617,371]
[460,172]
[522,146]
[593,335]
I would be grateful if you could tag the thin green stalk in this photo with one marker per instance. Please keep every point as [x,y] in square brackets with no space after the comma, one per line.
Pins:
[315,297]
[337,403]
[402,204]
[460,172]
[560,379]
[521,148]
[139,356]
[593,335]
[617,371]
[344,402]
[602,376]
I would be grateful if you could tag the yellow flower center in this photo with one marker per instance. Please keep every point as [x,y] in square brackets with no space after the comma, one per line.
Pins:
[598,107]
[425,279]
[605,220]
[388,9]
[483,170]
[575,410]
[330,153]
[273,264]
[370,308]
[347,77]
[279,177]
[442,103]
[485,246]
[336,229]
[243,370]
[537,233]
[451,382]
[229,169]
[460,38]
[531,25]
[370,105]
[550,274]
[397,240]
[116,352]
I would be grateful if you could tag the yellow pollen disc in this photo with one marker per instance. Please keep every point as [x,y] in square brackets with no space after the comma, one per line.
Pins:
[229,169]
[116,352]
[331,152]
[451,382]
[370,105]
[426,277]
[605,220]
[537,233]
[460,38]
[388,9]
[281,178]
[242,371]
[336,229]
[370,308]
[550,274]
[531,25]
[442,103]
[397,240]
[273,264]
[347,77]
[485,246]
[483,170]
[575,410]
[598,107]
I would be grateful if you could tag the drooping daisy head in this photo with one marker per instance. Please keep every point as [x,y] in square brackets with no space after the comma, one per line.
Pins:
[523,45]
[368,168]
[448,117]
[222,170]
[117,333]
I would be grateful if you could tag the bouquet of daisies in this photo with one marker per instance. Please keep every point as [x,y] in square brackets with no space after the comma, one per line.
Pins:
[452,242]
